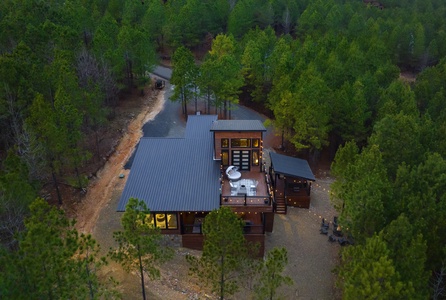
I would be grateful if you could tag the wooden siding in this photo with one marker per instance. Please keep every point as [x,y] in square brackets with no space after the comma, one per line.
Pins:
[298,201]
[293,197]
[269,221]
[193,241]
[235,135]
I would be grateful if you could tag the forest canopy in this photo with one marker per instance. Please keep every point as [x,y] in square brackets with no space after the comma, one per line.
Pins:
[366,77]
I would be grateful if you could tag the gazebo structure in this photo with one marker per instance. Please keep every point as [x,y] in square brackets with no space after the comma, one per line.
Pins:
[291,180]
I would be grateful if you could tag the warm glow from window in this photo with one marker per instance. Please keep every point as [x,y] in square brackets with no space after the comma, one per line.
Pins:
[161,221]
[149,219]
[240,143]
[224,143]
[172,221]
[255,143]
[255,158]
[224,158]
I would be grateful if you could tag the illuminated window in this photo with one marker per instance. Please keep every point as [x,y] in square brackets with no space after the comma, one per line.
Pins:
[225,157]
[255,157]
[160,221]
[172,221]
[224,143]
[149,220]
[240,143]
[255,143]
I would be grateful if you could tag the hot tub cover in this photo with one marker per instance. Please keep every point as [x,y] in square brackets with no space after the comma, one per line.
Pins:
[233,173]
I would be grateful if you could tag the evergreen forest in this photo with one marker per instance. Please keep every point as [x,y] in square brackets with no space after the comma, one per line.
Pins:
[361,80]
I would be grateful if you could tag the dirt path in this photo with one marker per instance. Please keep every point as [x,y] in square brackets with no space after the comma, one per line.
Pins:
[100,190]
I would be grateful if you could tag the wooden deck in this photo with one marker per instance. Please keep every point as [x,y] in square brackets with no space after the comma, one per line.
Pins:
[260,198]
[299,197]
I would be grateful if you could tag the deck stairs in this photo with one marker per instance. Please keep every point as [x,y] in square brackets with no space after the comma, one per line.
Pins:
[281,207]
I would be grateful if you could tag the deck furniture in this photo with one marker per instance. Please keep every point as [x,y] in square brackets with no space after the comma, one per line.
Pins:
[233,173]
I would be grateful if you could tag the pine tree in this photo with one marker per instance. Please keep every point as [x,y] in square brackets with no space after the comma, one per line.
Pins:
[139,245]
[270,274]
[225,252]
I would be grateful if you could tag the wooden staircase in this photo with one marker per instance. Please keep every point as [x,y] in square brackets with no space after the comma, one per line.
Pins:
[281,205]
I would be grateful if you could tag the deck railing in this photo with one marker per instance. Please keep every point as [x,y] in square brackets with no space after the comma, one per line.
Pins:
[245,200]
[247,229]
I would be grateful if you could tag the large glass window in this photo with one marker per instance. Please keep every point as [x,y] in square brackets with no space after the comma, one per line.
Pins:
[255,157]
[255,143]
[240,143]
[172,221]
[160,221]
[225,157]
[149,219]
[224,143]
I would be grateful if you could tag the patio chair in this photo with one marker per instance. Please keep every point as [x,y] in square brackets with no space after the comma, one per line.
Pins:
[335,221]
[325,224]
[253,186]
[233,187]
[332,238]
[323,230]
[343,241]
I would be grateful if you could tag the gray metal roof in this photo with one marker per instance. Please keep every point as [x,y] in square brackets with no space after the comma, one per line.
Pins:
[237,125]
[197,127]
[176,174]
[291,166]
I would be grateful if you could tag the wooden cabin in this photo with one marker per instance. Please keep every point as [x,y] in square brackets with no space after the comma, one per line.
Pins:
[181,180]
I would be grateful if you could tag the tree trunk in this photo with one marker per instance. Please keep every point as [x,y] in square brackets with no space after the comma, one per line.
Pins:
[90,284]
[222,278]
[230,115]
[56,184]
[79,181]
[183,100]
[209,103]
[142,276]
[98,155]
[196,99]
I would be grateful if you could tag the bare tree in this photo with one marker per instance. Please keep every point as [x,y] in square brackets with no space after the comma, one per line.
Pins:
[437,283]
[11,221]
[32,154]
[286,21]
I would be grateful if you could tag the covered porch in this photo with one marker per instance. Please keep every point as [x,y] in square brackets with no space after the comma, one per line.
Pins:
[291,180]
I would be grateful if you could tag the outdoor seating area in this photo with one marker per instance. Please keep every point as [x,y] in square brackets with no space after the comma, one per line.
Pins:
[244,187]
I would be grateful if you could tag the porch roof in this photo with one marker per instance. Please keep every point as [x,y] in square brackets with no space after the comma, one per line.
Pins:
[291,166]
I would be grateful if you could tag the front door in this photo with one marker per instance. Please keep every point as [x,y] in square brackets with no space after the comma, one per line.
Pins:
[241,159]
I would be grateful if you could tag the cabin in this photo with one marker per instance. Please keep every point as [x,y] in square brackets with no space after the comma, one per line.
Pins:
[217,163]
